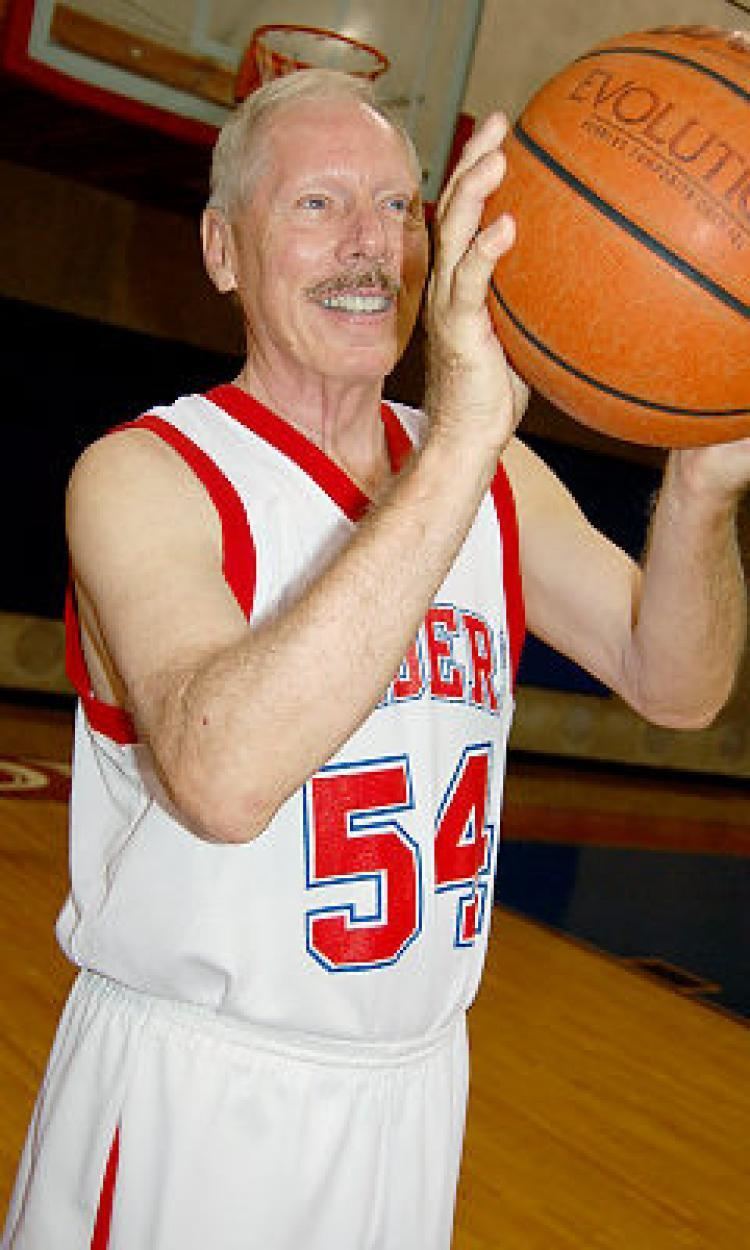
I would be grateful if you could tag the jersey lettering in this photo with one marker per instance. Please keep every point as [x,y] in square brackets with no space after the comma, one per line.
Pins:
[457,656]
[409,681]
[446,678]
[482,691]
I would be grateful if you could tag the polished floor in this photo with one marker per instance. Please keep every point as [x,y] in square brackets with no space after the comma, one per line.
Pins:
[652,869]
[610,1105]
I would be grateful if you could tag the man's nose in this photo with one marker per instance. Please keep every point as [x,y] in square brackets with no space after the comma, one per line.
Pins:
[367,233]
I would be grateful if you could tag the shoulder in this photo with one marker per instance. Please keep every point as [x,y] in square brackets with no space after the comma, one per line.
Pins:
[536,488]
[523,466]
[128,461]
[130,455]
[132,478]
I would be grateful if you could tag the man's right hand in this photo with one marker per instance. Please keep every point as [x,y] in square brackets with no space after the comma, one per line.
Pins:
[473,396]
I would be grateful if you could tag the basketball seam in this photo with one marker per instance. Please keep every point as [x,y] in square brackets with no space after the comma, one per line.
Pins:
[637,232]
[729,83]
[604,387]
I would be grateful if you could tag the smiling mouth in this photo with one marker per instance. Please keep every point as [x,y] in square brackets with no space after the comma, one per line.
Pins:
[352,302]
[367,292]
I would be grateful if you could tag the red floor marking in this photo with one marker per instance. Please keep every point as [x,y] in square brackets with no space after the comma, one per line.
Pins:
[34,779]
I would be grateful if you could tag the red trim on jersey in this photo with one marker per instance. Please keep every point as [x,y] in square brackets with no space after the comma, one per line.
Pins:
[105,718]
[238,555]
[100,1238]
[296,446]
[505,507]
[238,565]
[397,440]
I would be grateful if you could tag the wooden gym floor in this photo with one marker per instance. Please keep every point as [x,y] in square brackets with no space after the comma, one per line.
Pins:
[607,1110]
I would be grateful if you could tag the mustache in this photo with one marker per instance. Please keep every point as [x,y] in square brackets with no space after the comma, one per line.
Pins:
[373,277]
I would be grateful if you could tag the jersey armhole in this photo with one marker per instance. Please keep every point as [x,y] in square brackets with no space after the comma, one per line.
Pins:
[239,563]
[106,718]
[239,566]
[505,507]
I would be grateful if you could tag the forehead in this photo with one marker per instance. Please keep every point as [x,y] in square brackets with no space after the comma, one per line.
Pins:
[334,137]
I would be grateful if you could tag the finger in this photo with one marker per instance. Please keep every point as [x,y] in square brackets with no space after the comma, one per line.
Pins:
[460,226]
[473,274]
[486,138]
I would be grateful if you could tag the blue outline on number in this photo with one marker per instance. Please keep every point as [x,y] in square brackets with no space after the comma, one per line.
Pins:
[363,822]
[462,902]
[480,888]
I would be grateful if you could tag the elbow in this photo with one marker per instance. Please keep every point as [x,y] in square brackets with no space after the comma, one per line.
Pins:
[677,699]
[209,789]
[684,714]
[682,720]
[226,816]
[212,800]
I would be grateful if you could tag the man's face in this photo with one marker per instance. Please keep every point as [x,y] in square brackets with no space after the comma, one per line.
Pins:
[331,250]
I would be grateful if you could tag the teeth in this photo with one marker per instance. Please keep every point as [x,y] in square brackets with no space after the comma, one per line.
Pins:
[357,303]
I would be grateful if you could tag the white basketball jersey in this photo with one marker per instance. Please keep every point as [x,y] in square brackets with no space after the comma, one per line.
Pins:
[362,911]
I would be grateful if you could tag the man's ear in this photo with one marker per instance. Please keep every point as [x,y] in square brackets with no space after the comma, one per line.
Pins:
[218,250]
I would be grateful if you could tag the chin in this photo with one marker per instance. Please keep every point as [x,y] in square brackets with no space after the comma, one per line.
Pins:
[359,363]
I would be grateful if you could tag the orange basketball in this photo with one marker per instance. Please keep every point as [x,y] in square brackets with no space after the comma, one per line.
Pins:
[626,298]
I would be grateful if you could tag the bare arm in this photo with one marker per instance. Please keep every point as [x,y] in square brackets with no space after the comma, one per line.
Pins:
[667,636]
[691,623]
[214,699]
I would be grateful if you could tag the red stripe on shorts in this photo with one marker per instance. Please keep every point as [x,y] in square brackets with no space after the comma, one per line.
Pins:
[100,1238]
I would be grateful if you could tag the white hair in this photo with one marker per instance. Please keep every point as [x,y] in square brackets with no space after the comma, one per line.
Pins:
[240,151]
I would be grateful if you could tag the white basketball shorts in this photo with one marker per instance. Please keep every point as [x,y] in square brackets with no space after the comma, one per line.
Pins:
[229,1138]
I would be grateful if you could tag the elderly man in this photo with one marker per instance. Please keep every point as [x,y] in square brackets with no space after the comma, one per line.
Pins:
[294,628]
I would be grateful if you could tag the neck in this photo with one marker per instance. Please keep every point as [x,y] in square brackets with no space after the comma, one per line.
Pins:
[343,418]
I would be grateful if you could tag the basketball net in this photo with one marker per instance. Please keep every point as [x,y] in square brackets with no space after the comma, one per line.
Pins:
[280,49]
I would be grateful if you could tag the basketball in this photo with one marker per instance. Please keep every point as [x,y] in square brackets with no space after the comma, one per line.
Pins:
[626,298]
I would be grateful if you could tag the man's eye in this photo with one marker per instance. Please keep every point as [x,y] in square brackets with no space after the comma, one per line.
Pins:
[406,206]
[313,202]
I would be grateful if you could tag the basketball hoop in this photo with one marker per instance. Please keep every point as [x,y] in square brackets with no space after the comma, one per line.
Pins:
[280,49]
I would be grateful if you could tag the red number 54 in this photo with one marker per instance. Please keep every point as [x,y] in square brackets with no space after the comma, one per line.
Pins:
[354,837]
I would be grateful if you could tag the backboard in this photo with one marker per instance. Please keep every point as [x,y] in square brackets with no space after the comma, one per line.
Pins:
[173,64]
